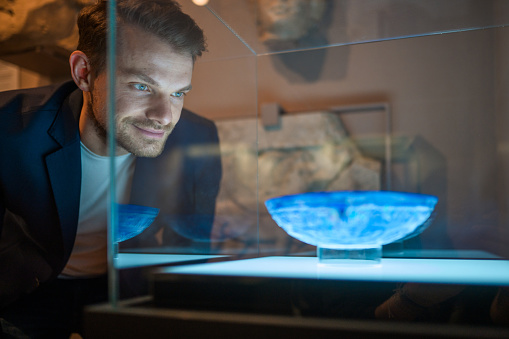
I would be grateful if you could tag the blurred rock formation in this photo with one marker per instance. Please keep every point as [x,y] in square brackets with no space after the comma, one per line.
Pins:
[25,24]
[39,34]
[309,152]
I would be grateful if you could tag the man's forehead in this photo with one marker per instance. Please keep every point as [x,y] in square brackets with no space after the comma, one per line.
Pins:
[131,36]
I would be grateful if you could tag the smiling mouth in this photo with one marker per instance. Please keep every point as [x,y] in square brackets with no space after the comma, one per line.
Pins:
[150,132]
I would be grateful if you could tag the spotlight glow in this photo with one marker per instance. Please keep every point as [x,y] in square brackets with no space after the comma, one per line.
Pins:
[200,2]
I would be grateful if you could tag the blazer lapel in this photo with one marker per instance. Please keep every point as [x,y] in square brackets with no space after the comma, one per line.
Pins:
[64,168]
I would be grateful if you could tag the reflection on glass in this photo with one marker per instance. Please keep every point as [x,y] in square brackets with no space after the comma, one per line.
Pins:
[346,22]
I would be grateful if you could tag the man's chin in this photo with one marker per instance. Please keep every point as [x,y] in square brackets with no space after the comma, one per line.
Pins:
[148,151]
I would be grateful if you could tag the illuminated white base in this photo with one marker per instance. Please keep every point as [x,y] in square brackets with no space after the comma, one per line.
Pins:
[455,271]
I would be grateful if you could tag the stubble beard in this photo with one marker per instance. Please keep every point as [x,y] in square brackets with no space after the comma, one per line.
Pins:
[125,138]
[141,146]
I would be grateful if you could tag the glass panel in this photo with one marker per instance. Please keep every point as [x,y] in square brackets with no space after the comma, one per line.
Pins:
[273,26]
[184,204]
[437,101]
[356,106]
[329,112]
[413,112]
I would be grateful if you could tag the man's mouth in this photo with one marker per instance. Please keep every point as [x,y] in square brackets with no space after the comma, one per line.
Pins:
[151,132]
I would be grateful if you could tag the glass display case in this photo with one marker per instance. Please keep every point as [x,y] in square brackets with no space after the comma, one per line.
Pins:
[350,96]
[316,96]
[321,96]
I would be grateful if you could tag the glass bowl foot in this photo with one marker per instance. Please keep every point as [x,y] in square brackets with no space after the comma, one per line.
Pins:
[335,256]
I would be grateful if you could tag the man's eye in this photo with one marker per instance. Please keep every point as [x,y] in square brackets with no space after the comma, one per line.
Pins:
[179,94]
[140,87]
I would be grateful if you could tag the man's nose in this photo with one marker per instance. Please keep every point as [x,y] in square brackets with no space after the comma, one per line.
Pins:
[161,111]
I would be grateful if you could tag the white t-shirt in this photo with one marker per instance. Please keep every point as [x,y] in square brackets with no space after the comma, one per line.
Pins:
[89,254]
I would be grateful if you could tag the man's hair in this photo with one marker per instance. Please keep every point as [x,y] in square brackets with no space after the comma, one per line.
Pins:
[162,18]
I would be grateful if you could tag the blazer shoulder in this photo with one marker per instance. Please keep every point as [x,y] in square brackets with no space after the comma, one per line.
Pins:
[191,118]
[32,99]
[193,128]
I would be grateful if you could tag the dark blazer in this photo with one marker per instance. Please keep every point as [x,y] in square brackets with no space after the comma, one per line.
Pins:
[40,182]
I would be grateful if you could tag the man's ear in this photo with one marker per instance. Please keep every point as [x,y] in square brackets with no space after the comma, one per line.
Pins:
[81,70]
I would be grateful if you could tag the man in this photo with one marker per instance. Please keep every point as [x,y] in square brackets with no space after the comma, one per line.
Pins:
[54,173]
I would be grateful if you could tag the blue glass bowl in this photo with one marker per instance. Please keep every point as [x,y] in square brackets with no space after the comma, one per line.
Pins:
[352,219]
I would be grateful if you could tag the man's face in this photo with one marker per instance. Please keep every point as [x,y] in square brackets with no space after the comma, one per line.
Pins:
[151,81]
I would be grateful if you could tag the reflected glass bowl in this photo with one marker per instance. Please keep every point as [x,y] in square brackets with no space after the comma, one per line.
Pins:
[134,219]
[352,220]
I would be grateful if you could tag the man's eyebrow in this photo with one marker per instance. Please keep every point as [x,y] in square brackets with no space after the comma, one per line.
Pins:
[186,89]
[148,79]
[140,75]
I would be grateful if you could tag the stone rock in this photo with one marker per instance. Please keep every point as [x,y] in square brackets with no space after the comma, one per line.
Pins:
[27,24]
[288,20]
